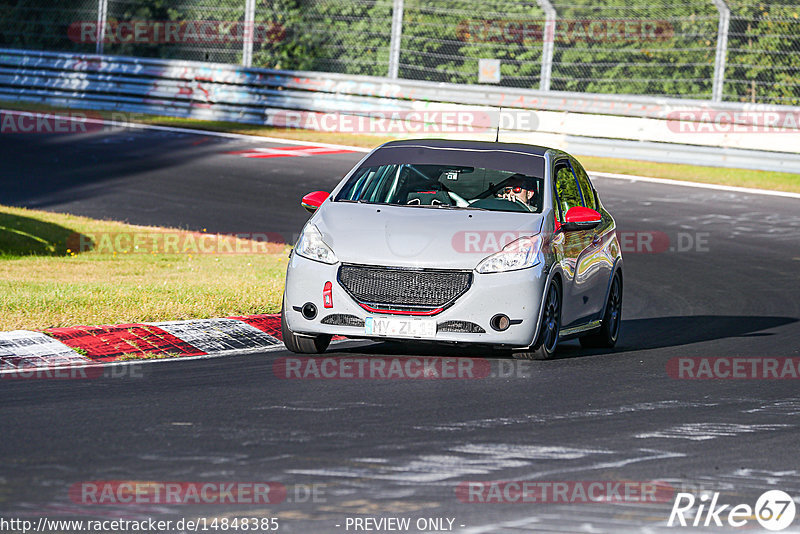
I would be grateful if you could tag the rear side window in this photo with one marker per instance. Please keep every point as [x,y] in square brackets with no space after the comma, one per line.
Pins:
[586,186]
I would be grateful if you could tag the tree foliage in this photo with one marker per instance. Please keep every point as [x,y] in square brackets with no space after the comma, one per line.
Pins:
[650,47]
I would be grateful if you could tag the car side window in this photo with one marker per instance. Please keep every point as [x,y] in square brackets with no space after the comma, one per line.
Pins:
[586,186]
[569,195]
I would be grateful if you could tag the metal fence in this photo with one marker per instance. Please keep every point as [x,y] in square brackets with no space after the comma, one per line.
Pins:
[720,50]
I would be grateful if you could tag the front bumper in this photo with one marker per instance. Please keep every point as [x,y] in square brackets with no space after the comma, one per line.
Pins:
[517,294]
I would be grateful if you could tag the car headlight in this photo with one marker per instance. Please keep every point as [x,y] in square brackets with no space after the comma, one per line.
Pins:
[519,254]
[311,246]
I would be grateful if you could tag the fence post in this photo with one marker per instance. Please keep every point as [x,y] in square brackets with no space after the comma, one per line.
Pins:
[722,49]
[248,33]
[548,43]
[102,17]
[397,35]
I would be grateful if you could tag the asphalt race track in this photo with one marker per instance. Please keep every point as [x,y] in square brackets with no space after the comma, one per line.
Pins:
[400,448]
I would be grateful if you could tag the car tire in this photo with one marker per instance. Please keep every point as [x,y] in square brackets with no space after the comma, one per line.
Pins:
[606,337]
[547,337]
[302,344]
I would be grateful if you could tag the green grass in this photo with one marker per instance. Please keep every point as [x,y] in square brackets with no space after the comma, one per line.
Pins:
[777,181]
[48,280]
[147,356]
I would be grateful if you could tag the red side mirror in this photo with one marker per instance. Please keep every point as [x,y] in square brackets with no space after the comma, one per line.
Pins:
[314,200]
[580,218]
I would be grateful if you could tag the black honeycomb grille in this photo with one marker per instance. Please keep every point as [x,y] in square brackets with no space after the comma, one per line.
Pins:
[403,287]
[460,327]
[343,319]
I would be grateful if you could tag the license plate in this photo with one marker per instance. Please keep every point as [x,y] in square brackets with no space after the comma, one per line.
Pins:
[393,327]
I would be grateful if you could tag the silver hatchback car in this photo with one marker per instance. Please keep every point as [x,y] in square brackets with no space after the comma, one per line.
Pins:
[459,242]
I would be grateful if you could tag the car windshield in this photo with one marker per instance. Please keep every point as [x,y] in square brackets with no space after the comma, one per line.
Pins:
[444,186]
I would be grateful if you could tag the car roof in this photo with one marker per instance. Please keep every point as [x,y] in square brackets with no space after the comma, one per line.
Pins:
[471,145]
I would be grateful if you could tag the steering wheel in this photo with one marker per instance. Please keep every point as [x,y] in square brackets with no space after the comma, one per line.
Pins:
[461,202]
[434,197]
[518,201]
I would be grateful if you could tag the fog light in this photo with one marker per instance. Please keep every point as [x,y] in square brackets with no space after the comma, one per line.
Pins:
[309,311]
[500,322]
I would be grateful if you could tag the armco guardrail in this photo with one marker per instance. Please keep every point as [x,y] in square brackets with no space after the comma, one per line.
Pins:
[683,131]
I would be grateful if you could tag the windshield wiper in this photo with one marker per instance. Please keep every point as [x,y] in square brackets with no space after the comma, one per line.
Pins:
[450,207]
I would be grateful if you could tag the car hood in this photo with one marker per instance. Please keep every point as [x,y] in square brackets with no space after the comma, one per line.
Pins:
[407,236]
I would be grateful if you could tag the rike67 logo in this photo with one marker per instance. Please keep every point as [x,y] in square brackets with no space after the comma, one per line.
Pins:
[774,510]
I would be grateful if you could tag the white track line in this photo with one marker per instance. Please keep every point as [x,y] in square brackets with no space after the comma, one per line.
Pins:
[666,181]
[278,140]
[243,137]
[92,363]
[177,129]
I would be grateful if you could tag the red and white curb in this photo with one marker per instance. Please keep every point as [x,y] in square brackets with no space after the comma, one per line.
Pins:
[84,345]
[21,349]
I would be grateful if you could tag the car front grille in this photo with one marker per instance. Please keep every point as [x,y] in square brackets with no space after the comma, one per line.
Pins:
[403,288]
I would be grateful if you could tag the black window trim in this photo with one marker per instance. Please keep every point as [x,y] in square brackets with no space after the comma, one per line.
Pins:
[556,162]
[575,176]
[591,185]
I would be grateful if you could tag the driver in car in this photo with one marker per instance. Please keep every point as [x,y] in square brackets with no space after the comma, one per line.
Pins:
[517,190]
